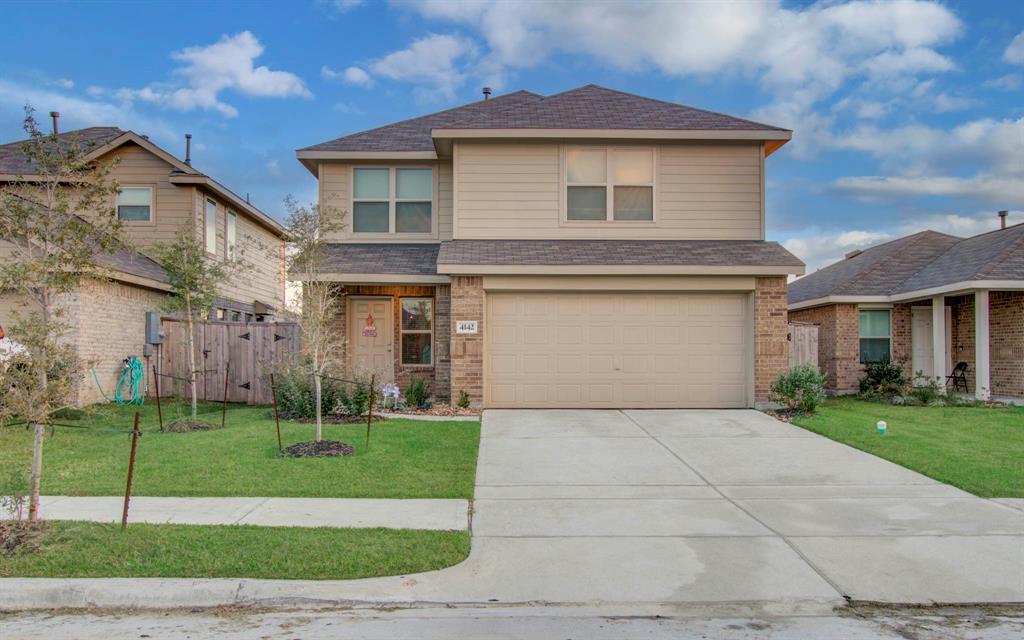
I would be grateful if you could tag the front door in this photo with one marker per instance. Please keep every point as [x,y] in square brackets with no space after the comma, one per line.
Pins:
[921,342]
[371,337]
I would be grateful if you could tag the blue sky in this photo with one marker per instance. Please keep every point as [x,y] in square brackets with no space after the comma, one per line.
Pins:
[906,114]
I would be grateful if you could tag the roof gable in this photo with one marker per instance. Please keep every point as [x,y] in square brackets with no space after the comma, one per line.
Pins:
[12,154]
[996,255]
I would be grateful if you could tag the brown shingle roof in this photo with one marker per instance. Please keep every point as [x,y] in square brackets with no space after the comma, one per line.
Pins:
[595,107]
[414,134]
[587,107]
[397,258]
[12,154]
[616,252]
[920,261]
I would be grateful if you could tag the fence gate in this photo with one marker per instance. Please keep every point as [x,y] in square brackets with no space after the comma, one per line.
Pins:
[803,345]
[244,351]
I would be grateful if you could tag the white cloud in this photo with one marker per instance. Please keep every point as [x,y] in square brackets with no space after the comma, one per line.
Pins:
[273,168]
[1015,51]
[348,108]
[351,75]
[818,251]
[64,83]
[346,5]
[206,71]
[95,90]
[1009,82]
[434,61]
[879,188]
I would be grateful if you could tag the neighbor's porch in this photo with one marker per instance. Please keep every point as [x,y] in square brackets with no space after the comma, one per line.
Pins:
[982,328]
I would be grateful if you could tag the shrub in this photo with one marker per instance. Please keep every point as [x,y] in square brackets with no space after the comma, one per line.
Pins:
[14,493]
[463,399]
[928,390]
[884,378]
[416,393]
[802,388]
[293,379]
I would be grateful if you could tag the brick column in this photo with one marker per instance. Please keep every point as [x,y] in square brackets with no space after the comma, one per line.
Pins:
[771,349]
[467,349]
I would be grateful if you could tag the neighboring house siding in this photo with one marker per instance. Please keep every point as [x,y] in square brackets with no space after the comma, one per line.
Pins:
[515,191]
[171,203]
[335,193]
[838,344]
[262,276]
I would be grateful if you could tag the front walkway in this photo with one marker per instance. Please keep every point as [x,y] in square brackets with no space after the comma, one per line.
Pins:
[267,512]
[655,510]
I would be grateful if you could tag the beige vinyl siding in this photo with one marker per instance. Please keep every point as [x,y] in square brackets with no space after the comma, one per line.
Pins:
[515,191]
[335,192]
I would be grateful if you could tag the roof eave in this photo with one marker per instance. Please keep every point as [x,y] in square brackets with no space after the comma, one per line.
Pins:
[618,269]
[949,289]
[634,134]
[233,198]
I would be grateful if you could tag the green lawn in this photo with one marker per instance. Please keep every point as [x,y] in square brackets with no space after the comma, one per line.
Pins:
[87,549]
[980,450]
[407,458]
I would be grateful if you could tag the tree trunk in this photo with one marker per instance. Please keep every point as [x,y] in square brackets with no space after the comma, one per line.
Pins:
[191,342]
[319,423]
[37,470]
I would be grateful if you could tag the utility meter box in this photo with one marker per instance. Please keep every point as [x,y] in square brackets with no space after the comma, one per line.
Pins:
[153,328]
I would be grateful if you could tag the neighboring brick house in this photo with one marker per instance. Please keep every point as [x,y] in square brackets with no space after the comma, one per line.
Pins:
[587,249]
[160,194]
[884,303]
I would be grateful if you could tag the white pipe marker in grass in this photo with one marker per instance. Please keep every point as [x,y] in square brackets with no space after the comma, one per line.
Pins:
[882,427]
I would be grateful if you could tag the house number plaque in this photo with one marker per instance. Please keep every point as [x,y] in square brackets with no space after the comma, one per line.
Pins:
[466,326]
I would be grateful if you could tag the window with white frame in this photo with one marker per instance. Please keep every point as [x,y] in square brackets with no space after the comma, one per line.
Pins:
[211,226]
[230,234]
[417,331]
[135,204]
[875,335]
[392,200]
[614,184]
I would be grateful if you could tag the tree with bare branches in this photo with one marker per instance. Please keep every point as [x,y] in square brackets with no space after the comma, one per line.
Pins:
[46,250]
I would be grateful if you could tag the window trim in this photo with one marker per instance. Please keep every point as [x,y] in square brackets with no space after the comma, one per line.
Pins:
[207,227]
[402,331]
[230,235]
[152,204]
[609,185]
[860,354]
[393,198]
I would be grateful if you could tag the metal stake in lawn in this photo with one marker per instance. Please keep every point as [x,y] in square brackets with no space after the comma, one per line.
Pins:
[224,411]
[131,470]
[159,411]
[369,409]
[277,418]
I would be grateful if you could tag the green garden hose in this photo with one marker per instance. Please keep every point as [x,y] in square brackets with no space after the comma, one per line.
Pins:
[131,382]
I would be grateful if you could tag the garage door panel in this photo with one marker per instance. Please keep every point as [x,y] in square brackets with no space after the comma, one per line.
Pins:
[617,350]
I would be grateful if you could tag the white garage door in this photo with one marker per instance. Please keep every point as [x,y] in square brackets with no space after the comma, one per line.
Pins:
[617,350]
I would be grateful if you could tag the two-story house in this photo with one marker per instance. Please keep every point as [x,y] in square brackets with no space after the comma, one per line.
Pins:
[591,248]
[159,195]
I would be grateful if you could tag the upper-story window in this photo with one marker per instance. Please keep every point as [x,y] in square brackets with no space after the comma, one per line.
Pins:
[135,204]
[386,200]
[614,184]
[211,226]
[230,234]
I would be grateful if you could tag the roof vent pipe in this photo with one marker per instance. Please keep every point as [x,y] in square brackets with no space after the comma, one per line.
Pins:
[487,93]
[55,115]
[1002,219]
[188,149]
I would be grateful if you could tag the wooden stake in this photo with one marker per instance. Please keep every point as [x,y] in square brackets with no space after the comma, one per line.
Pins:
[224,411]
[159,411]
[131,471]
[277,418]
[369,408]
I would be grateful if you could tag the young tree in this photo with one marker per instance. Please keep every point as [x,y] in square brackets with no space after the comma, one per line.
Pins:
[194,279]
[46,250]
[322,342]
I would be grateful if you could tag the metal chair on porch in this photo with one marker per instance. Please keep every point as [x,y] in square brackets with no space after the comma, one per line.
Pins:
[958,377]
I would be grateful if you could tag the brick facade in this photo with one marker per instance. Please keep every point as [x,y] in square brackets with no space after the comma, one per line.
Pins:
[467,350]
[771,347]
[439,375]
[1006,340]
[838,344]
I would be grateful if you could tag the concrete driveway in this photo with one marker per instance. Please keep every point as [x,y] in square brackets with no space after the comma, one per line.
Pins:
[671,508]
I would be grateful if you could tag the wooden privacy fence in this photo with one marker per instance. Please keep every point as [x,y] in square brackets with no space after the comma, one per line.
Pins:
[803,343]
[250,350]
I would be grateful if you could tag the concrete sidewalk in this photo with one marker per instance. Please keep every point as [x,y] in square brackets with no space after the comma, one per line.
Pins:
[268,512]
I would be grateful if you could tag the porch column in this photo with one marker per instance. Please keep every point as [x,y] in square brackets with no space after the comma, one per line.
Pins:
[982,383]
[939,345]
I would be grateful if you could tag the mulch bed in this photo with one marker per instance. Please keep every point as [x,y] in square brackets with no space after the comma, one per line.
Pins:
[19,536]
[187,425]
[785,415]
[321,449]
[441,409]
[338,419]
